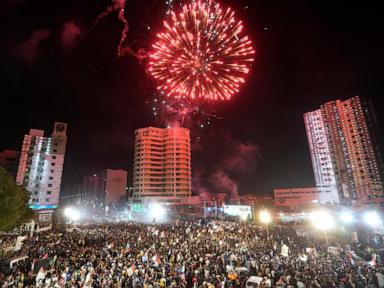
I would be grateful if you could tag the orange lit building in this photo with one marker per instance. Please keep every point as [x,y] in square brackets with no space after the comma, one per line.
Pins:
[162,164]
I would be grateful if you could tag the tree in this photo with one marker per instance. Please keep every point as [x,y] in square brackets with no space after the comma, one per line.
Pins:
[14,209]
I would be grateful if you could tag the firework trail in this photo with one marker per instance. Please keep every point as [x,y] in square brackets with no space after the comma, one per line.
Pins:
[123,48]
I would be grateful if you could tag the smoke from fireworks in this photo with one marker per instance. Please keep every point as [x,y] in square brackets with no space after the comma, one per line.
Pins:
[182,112]
[201,53]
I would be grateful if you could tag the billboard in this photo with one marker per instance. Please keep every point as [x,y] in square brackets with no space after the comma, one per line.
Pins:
[238,210]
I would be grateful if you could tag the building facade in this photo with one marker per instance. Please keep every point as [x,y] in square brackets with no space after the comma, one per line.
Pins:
[162,164]
[9,160]
[41,165]
[308,196]
[114,186]
[92,189]
[342,152]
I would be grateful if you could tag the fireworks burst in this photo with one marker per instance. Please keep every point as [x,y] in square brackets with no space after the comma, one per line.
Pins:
[202,53]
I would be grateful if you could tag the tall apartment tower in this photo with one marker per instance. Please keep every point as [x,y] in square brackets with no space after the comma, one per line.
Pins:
[342,152]
[162,164]
[41,165]
[114,186]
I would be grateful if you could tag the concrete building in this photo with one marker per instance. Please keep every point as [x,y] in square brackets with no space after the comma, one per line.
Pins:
[300,197]
[114,186]
[162,164]
[343,155]
[256,201]
[41,165]
[9,160]
[92,188]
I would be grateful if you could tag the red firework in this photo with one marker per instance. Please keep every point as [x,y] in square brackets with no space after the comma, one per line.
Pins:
[202,53]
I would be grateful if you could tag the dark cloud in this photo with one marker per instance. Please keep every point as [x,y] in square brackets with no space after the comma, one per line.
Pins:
[69,35]
[28,50]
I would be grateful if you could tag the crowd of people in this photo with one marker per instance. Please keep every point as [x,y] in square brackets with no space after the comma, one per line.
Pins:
[7,244]
[190,253]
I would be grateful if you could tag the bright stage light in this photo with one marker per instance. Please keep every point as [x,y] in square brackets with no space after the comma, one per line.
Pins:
[372,218]
[322,220]
[244,216]
[265,217]
[347,217]
[157,211]
[72,214]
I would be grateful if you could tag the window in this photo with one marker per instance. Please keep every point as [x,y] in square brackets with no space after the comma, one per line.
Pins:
[50,178]
[52,171]
[54,150]
[49,185]
[49,192]
[53,157]
[47,199]
[53,164]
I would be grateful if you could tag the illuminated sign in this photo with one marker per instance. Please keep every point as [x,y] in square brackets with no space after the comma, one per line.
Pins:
[238,210]
[137,208]
[41,207]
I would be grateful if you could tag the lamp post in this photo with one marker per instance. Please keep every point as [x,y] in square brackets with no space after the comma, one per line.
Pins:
[265,218]
[216,209]
[205,211]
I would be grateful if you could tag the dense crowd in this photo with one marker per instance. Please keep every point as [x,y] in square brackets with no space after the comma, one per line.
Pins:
[190,254]
[7,244]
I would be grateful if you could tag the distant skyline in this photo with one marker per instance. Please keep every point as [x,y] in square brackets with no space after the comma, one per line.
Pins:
[307,53]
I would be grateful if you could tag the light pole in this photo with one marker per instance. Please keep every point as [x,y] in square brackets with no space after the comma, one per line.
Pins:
[205,209]
[215,209]
[265,218]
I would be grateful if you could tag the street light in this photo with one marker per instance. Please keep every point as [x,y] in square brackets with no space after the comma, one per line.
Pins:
[265,218]
[322,220]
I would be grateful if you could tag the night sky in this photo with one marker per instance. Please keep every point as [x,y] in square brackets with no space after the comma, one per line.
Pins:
[307,53]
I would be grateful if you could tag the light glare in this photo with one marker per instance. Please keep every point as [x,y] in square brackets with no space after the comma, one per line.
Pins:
[265,217]
[347,217]
[372,218]
[322,220]
[72,214]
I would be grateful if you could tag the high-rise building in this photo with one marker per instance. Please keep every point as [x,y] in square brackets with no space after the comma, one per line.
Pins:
[115,186]
[41,165]
[92,188]
[342,152]
[162,164]
[9,160]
